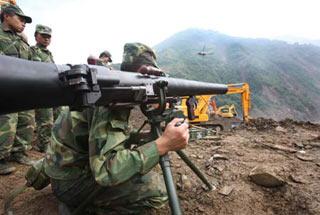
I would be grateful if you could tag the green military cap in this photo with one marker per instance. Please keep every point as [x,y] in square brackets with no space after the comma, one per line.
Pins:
[105,53]
[15,9]
[137,54]
[42,29]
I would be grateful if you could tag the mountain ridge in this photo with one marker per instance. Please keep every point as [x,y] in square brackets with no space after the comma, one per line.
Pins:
[284,78]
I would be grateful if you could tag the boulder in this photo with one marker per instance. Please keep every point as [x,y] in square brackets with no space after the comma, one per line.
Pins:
[266,177]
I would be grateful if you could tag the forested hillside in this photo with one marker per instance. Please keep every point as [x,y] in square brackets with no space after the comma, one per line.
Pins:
[284,78]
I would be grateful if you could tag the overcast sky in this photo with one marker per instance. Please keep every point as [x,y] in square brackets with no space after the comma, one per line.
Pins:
[83,27]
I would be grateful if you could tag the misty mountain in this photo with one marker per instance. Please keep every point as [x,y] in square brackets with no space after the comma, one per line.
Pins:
[299,40]
[284,78]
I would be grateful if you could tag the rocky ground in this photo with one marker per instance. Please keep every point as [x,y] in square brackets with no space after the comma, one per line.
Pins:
[265,167]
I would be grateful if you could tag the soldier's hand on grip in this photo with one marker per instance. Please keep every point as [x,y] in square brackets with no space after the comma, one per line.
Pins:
[174,137]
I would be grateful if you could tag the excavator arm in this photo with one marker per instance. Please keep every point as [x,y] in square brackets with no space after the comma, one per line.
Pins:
[244,90]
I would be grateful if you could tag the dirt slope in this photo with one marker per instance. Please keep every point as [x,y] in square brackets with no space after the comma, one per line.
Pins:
[289,149]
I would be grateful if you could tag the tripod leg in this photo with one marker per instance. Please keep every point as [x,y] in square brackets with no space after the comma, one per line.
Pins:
[195,169]
[171,189]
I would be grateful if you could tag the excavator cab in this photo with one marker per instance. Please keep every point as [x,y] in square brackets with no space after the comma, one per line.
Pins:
[227,111]
[206,114]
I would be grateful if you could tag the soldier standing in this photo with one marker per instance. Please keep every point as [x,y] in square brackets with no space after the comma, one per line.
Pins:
[16,128]
[43,116]
[105,59]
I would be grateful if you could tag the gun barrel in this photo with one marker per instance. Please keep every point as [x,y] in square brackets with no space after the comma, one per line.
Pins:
[28,85]
[182,87]
[176,87]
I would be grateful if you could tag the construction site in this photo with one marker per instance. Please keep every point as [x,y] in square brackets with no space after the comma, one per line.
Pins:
[257,166]
[263,167]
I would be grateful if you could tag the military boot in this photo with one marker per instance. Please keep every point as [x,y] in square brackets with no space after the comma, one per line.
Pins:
[22,158]
[6,168]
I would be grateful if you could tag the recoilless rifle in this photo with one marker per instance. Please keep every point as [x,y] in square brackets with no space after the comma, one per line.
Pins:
[28,85]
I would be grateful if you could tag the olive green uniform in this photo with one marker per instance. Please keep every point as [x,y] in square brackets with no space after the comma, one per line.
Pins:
[16,129]
[89,153]
[43,116]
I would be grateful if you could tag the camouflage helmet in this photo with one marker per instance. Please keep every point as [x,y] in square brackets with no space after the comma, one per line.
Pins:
[10,8]
[136,55]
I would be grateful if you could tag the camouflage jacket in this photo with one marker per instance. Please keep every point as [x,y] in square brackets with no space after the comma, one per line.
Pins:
[11,44]
[100,63]
[94,141]
[42,54]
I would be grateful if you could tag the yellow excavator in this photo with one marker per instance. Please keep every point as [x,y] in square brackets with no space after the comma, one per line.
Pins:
[204,111]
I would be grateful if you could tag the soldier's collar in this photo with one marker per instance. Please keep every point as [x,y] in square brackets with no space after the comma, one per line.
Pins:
[41,46]
[7,29]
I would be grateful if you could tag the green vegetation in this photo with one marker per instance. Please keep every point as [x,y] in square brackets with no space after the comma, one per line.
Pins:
[284,79]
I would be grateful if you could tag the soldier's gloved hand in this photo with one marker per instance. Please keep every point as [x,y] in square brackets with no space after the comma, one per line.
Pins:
[174,137]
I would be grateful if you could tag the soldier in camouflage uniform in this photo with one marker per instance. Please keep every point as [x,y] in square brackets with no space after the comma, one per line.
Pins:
[16,130]
[105,59]
[44,116]
[91,160]
[43,38]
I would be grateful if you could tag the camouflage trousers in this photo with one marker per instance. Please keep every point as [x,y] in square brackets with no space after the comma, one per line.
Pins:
[44,122]
[132,197]
[16,132]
